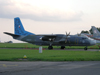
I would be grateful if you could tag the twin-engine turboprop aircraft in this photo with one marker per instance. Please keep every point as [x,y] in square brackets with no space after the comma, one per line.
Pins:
[49,40]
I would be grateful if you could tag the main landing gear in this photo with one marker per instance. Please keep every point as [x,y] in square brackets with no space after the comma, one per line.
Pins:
[50,47]
[85,48]
[62,47]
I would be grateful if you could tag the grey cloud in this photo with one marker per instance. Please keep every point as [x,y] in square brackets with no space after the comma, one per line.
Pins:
[10,9]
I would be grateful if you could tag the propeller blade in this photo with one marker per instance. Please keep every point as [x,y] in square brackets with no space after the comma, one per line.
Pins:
[67,36]
[66,33]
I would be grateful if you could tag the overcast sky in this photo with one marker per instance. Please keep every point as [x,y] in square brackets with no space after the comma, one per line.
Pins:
[49,16]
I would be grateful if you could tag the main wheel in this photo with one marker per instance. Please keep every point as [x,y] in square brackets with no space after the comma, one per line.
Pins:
[62,47]
[50,47]
[85,48]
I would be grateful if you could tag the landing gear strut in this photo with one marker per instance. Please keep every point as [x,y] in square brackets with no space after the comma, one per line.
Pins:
[50,47]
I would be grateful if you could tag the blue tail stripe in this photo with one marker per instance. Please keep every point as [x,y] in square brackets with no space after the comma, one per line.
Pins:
[19,29]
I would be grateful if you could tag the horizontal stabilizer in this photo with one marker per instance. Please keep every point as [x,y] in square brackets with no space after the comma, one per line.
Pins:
[13,35]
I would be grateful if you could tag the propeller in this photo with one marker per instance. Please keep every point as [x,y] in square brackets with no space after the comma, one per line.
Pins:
[67,36]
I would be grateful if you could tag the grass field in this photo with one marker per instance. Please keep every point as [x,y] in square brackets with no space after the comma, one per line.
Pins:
[27,45]
[48,55]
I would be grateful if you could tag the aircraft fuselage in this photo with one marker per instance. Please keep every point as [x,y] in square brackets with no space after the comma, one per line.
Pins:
[71,41]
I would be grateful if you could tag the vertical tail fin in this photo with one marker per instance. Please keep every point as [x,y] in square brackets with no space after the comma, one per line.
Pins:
[95,31]
[18,27]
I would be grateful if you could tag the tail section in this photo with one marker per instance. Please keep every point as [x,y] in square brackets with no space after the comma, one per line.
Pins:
[95,31]
[19,29]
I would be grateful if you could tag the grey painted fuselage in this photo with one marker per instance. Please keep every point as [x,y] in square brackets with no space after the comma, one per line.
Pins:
[72,40]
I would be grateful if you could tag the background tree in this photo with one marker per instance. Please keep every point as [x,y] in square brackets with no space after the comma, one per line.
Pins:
[84,31]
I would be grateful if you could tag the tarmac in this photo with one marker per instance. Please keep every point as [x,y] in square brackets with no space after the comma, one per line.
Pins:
[50,68]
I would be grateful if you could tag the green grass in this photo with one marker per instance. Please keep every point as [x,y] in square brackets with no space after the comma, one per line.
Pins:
[48,55]
[27,45]
[17,45]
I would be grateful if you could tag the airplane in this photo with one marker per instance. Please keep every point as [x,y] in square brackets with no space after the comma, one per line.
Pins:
[96,33]
[49,40]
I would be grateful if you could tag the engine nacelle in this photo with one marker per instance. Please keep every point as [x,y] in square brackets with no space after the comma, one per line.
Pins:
[44,39]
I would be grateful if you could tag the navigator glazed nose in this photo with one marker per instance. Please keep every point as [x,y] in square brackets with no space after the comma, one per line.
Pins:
[93,42]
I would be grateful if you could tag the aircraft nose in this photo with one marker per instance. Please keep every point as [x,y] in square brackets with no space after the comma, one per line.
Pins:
[93,42]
